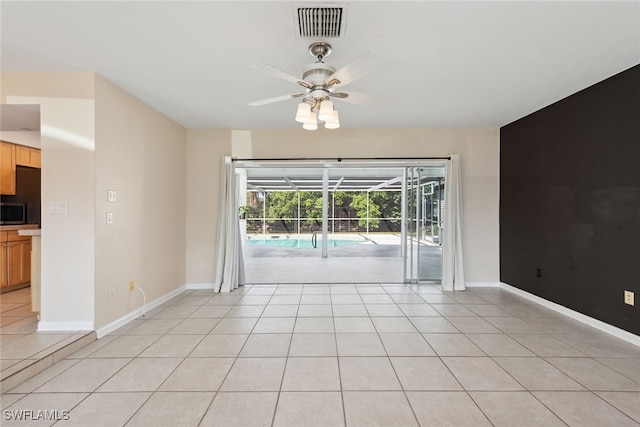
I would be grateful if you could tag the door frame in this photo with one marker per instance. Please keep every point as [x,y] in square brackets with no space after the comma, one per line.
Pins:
[413,222]
[337,163]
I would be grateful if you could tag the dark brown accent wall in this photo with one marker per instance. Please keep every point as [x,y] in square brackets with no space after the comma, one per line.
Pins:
[570,201]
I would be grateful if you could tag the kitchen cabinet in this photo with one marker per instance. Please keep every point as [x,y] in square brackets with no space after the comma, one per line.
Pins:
[16,258]
[27,156]
[3,265]
[7,168]
[12,155]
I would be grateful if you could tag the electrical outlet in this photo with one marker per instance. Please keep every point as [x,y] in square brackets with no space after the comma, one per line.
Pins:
[112,293]
[538,272]
[132,286]
[629,298]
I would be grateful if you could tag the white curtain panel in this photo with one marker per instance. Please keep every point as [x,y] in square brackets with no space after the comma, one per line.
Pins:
[230,265]
[452,260]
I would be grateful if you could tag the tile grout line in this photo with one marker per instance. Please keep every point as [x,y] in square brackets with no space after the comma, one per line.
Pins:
[404,393]
[395,302]
[284,370]
[217,391]
[344,408]
[151,393]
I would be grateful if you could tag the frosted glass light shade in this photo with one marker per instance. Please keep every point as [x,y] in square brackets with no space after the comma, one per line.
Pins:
[304,112]
[326,111]
[334,122]
[312,123]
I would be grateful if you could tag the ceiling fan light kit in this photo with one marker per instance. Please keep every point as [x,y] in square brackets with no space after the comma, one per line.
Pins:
[320,82]
[334,122]
[304,112]
[312,122]
[309,112]
[326,110]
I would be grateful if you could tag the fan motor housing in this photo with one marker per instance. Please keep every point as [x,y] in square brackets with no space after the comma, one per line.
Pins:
[317,73]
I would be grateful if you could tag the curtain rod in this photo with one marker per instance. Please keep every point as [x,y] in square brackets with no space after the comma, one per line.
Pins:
[339,159]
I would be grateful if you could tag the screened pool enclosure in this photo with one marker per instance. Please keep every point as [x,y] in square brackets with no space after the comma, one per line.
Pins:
[357,205]
[342,223]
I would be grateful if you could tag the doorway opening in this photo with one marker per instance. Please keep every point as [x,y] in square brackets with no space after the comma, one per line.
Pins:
[341,222]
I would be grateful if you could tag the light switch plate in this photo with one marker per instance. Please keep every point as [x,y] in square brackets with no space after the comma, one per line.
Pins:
[109,217]
[59,207]
[112,196]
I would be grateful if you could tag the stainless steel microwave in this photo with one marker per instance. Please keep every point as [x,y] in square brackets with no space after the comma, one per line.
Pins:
[13,213]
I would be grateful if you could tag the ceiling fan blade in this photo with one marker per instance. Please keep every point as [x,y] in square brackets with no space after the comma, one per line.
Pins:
[276,99]
[357,68]
[360,98]
[282,74]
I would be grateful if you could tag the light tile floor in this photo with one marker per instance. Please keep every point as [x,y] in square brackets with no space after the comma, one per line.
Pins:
[336,355]
[21,346]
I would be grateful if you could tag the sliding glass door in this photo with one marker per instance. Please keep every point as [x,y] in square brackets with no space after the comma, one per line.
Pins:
[423,211]
[335,222]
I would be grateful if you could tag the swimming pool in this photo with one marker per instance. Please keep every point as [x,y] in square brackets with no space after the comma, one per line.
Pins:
[301,243]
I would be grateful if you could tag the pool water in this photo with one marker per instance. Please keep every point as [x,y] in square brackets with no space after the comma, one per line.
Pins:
[301,243]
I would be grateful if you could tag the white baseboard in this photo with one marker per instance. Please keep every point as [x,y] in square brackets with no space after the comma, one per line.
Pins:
[598,324]
[138,312]
[482,284]
[64,326]
[200,286]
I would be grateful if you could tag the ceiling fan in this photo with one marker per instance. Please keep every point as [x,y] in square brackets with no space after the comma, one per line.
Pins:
[321,82]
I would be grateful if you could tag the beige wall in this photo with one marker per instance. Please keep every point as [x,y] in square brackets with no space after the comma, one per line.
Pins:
[68,175]
[205,150]
[95,137]
[478,149]
[141,155]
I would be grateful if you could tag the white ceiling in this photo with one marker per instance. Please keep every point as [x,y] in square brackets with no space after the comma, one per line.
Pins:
[444,64]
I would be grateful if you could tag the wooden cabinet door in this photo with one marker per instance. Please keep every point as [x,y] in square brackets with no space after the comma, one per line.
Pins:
[27,156]
[3,265]
[26,260]
[7,168]
[18,262]
[23,155]
[36,159]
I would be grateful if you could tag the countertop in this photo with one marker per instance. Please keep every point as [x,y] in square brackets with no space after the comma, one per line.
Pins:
[30,232]
[19,227]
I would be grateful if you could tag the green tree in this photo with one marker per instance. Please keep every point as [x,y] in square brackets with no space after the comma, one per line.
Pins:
[311,206]
[254,204]
[390,207]
[342,202]
[359,203]
[282,204]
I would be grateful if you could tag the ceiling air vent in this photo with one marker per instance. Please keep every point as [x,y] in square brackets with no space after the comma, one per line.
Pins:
[320,21]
